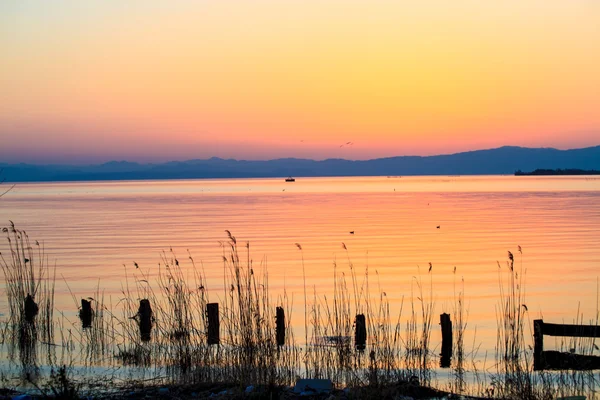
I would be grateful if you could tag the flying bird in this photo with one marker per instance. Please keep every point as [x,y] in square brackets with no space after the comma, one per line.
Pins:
[438,227]
[352,232]
[136,264]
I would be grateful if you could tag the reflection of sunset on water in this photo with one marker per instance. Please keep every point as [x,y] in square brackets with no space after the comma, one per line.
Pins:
[98,230]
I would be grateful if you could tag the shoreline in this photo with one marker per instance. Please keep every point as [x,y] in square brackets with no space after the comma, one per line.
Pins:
[402,390]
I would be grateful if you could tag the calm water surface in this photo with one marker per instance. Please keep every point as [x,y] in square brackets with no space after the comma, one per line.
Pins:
[95,231]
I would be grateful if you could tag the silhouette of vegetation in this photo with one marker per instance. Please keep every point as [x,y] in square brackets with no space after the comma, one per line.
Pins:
[385,360]
[29,287]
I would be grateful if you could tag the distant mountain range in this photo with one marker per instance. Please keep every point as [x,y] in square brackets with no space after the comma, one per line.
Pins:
[503,160]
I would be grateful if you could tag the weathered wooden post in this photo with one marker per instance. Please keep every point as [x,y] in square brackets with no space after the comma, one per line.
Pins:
[31,309]
[446,355]
[280,326]
[538,344]
[212,310]
[27,335]
[360,333]
[85,314]
[145,315]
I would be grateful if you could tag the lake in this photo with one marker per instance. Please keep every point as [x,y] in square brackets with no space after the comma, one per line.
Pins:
[394,227]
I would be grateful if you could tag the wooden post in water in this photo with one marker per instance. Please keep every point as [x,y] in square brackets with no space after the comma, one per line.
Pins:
[446,355]
[360,333]
[85,314]
[280,326]
[31,309]
[538,344]
[212,310]
[145,315]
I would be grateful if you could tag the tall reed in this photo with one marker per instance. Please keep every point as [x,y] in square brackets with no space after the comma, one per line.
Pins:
[29,283]
[459,315]
[418,331]
[398,350]
[513,356]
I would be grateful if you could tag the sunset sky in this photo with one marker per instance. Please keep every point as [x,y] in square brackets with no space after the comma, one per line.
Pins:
[148,80]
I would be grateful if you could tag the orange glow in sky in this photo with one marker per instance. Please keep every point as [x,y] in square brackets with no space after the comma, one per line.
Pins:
[91,81]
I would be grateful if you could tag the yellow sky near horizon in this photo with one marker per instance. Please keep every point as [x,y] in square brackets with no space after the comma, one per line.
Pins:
[153,80]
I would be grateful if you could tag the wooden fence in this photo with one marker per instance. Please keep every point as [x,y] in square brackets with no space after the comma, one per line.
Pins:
[555,360]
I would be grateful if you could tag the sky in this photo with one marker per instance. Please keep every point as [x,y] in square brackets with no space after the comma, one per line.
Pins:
[148,80]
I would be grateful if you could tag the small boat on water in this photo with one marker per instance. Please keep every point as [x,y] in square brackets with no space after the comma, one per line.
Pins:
[290,179]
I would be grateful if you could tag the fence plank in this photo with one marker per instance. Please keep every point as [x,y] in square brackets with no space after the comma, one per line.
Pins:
[556,360]
[570,330]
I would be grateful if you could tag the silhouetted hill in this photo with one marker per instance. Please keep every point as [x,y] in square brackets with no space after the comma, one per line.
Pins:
[503,160]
